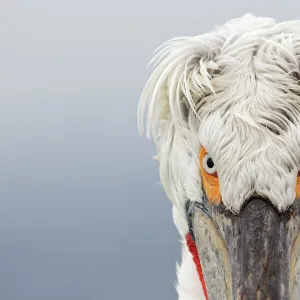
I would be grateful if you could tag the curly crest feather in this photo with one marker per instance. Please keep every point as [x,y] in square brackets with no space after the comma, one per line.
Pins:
[236,92]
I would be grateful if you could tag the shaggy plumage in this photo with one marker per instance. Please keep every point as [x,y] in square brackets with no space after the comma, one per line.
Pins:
[236,92]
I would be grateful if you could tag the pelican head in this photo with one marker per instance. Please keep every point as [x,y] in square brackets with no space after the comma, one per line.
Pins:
[224,111]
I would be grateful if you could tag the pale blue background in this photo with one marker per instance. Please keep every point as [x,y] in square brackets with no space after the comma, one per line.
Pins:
[82,215]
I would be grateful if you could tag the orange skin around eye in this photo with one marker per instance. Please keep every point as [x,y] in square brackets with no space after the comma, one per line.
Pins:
[211,182]
[212,187]
[298,187]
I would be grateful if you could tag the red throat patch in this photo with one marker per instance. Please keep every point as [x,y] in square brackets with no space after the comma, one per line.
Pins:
[193,250]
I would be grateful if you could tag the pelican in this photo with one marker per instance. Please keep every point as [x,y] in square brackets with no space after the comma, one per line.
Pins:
[223,109]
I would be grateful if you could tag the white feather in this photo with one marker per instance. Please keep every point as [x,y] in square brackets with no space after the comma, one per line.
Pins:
[235,91]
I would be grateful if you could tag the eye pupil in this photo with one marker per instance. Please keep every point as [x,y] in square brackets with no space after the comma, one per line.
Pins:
[210,163]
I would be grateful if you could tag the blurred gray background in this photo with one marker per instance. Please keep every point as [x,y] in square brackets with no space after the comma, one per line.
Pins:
[82,215]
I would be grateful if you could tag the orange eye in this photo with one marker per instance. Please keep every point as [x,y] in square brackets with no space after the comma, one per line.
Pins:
[209,177]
